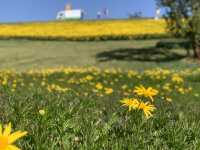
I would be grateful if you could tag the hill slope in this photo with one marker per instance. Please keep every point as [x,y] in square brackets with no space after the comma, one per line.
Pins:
[85,30]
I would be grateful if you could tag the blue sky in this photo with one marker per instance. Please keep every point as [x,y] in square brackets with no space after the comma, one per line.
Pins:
[34,10]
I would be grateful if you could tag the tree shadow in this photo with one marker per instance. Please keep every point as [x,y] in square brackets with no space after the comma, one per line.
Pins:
[174,43]
[149,54]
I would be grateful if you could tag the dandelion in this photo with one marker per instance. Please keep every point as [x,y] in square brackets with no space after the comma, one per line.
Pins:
[147,109]
[7,139]
[149,92]
[130,103]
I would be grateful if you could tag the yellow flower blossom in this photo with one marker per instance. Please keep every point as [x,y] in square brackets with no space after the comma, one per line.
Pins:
[108,91]
[181,90]
[99,86]
[167,87]
[147,109]
[177,78]
[88,77]
[146,92]
[130,103]
[7,138]
[54,87]
[133,104]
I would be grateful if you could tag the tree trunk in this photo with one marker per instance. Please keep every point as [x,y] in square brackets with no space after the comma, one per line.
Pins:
[197,49]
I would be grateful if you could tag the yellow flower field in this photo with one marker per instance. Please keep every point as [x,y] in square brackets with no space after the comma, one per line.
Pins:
[85,30]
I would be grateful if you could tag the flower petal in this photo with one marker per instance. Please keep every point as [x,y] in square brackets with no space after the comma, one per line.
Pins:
[16,135]
[1,129]
[7,130]
[12,147]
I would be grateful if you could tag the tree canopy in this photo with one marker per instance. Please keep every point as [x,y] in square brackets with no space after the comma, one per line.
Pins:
[183,20]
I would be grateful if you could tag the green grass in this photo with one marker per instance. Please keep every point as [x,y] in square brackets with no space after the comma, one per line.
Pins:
[86,118]
[141,54]
[80,116]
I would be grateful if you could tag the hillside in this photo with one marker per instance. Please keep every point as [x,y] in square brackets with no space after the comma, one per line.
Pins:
[85,30]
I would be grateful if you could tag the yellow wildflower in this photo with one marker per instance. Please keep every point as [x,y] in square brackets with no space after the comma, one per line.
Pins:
[108,91]
[99,86]
[142,91]
[88,77]
[7,139]
[130,103]
[5,81]
[167,87]
[176,78]
[147,109]
[181,90]
[54,87]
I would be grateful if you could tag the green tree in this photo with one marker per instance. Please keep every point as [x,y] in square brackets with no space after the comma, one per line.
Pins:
[183,20]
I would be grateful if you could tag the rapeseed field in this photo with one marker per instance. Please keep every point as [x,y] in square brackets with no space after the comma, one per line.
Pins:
[85,30]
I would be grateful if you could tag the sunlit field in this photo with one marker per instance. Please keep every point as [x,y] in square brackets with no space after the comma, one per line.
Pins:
[90,108]
[97,95]
[20,55]
[85,30]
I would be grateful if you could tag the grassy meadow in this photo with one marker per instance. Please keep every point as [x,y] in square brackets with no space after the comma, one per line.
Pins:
[99,95]
[81,108]
[20,55]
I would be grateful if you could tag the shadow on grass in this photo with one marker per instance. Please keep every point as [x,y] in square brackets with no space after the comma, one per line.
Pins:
[174,43]
[149,54]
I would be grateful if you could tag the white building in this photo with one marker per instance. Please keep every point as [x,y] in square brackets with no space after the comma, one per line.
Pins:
[70,13]
[158,14]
